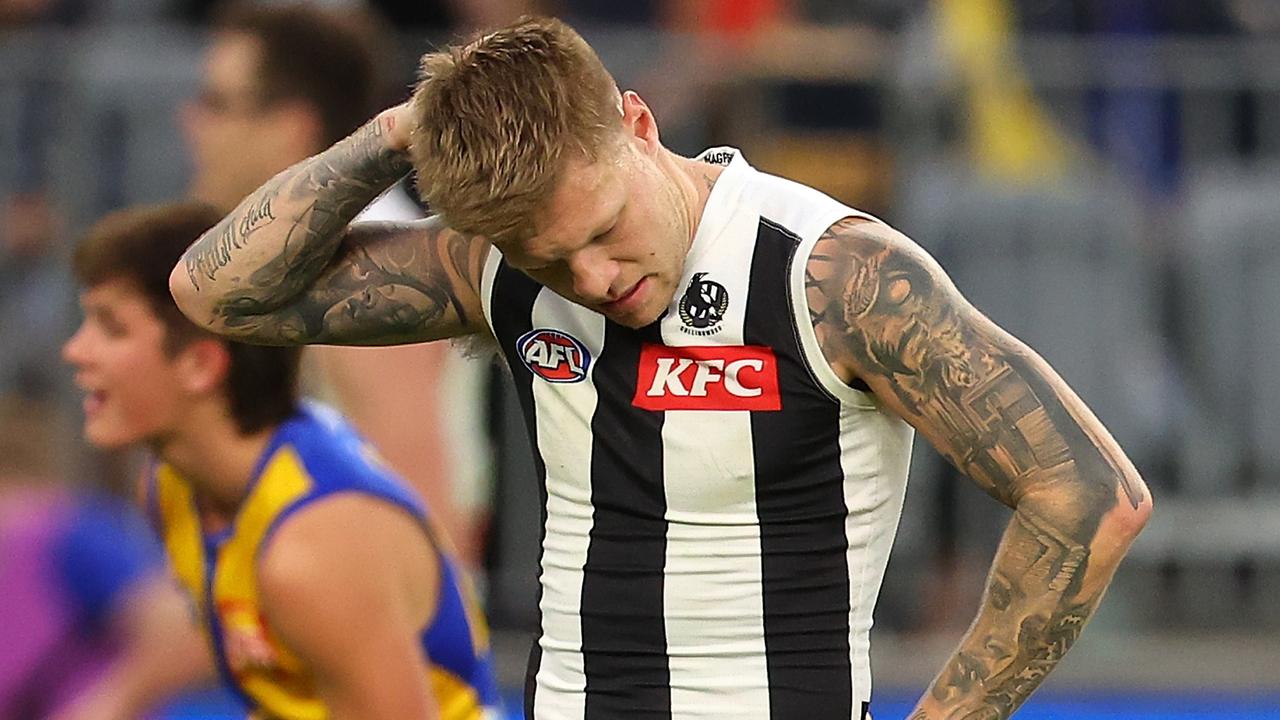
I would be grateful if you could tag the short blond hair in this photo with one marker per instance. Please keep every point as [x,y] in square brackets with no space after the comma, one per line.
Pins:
[498,117]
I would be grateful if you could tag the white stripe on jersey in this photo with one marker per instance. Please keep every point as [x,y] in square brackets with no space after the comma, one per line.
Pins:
[711,596]
[871,492]
[564,412]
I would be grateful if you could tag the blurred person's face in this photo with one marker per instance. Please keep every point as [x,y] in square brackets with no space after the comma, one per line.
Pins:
[238,137]
[616,232]
[134,390]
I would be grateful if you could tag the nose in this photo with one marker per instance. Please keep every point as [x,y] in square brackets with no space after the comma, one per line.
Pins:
[594,274]
[73,350]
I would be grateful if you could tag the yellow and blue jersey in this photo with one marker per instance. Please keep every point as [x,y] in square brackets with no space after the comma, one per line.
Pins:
[309,457]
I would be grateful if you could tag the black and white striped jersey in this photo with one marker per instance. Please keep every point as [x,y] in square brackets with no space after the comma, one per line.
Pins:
[719,506]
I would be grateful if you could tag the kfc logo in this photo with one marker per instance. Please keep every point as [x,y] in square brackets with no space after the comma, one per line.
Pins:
[554,356]
[707,378]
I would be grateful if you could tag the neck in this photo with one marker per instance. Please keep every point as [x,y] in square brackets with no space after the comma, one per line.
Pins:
[695,179]
[216,458]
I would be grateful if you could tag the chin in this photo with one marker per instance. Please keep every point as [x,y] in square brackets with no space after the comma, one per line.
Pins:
[106,437]
[639,318]
[633,324]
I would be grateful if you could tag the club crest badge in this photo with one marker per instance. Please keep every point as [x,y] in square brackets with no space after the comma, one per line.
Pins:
[703,306]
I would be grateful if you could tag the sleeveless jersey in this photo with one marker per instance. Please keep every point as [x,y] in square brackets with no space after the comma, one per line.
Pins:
[718,505]
[309,457]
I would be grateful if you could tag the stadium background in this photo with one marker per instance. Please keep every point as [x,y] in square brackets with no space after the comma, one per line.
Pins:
[1101,178]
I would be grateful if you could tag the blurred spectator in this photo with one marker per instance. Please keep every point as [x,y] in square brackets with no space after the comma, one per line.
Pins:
[278,84]
[91,627]
[281,83]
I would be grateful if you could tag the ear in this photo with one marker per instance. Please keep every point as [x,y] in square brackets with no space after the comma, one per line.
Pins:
[203,366]
[639,122]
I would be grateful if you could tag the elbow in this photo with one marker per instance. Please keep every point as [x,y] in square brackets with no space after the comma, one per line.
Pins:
[1132,510]
[1139,510]
[1119,507]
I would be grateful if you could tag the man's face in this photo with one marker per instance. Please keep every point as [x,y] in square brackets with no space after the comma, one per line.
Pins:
[228,125]
[614,238]
[132,388]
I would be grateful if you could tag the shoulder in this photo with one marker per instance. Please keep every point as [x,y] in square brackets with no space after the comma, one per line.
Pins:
[348,545]
[860,234]
[348,583]
[871,291]
[359,522]
[859,264]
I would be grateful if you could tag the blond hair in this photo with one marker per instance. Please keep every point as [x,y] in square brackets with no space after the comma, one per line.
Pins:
[497,118]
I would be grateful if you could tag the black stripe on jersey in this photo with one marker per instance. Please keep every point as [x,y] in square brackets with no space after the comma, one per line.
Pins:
[800,503]
[516,292]
[624,644]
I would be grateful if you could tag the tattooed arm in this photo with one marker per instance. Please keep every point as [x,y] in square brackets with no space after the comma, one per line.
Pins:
[886,313]
[286,267]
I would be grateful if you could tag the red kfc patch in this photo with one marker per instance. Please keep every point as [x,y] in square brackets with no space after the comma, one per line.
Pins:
[714,377]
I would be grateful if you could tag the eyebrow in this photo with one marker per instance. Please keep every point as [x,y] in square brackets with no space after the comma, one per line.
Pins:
[103,314]
[535,262]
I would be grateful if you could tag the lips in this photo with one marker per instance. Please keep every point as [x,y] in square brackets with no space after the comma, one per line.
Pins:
[627,301]
[94,397]
[93,402]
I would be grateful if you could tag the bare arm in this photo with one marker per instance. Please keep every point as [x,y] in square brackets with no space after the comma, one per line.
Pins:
[286,267]
[886,313]
[348,584]
[162,654]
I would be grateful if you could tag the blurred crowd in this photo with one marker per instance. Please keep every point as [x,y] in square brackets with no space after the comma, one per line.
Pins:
[1098,189]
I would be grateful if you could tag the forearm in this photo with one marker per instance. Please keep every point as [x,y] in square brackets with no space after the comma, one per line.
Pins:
[282,237]
[137,686]
[162,653]
[1046,580]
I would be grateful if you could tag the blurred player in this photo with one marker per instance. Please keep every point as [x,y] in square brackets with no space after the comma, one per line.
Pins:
[317,575]
[91,625]
[720,369]
[283,82]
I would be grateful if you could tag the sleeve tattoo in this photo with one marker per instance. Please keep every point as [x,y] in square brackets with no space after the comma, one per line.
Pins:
[882,308]
[387,284]
[285,267]
[316,198]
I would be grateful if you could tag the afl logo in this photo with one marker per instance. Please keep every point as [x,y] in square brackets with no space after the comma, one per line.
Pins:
[554,356]
[703,306]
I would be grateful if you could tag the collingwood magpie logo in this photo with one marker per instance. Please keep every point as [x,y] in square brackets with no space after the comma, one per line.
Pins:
[703,306]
